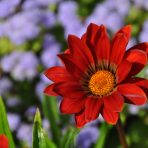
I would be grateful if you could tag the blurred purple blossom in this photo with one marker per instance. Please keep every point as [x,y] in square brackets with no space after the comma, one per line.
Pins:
[41,86]
[14,120]
[110,14]
[21,65]
[144,33]
[13,101]
[29,4]
[87,136]
[25,133]
[131,43]
[141,3]
[49,54]
[5,85]
[30,113]
[7,7]
[68,17]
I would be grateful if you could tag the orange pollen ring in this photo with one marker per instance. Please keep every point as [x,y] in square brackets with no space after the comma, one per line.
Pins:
[101,83]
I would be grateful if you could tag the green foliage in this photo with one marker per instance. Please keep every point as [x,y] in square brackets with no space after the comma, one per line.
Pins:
[4,126]
[104,130]
[40,139]
[51,112]
[68,140]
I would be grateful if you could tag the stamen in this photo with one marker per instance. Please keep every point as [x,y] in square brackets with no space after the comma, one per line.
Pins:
[101,83]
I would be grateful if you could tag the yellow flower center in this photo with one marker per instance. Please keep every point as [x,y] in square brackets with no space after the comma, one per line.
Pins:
[101,83]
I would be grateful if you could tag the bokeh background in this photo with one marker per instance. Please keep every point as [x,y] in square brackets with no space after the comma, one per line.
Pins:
[32,33]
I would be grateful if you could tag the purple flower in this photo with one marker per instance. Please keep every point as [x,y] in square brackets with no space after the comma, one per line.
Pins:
[87,136]
[24,133]
[7,7]
[48,19]
[144,33]
[5,85]
[131,43]
[21,65]
[141,3]
[30,113]
[68,17]
[30,4]
[13,101]
[49,55]
[109,13]
[26,68]
[14,120]
[8,62]
[15,27]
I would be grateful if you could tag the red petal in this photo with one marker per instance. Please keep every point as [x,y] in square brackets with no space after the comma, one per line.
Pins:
[83,38]
[49,90]
[142,83]
[91,33]
[81,54]
[123,70]
[133,94]
[109,116]
[72,106]
[69,89]
[102,44]
[92,108]
[114,102]
[138,58]
[71,66]
[57,74]
[90,38]
[80,119]
[3,141]
[126,30]
[141,46]
[119,44]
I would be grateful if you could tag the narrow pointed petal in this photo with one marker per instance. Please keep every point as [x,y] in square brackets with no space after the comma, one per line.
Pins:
[57,74]
[138,58]
[109,116]
[123,70]
[80,119]
[72,106]
[119,44]
[90,34]
[69,89]
[141,46]
[93,107]
[114,102]
[142,83]
[102,44]
[71,67]
[49,90]
[81,53]
[132,93]
[126,30]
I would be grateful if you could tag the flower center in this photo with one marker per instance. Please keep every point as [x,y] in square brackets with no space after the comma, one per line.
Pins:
[101,83]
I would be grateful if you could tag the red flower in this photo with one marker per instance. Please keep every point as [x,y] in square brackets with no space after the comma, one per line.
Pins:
[98,75]
[3,141]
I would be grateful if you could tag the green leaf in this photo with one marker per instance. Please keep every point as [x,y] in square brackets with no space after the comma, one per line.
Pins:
[103,134]
[4,126]
[68,140]
[51,112]
[40,139]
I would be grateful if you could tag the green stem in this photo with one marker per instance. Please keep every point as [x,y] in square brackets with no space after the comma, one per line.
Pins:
[121,134]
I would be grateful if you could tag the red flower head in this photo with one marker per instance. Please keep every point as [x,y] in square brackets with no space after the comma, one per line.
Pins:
[3,141]
[98,75]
